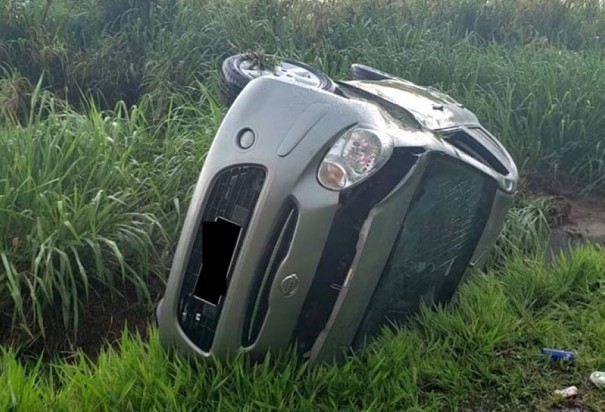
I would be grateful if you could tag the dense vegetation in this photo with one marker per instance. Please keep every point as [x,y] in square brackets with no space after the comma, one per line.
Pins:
[483,354]
[532,69]
[107,108]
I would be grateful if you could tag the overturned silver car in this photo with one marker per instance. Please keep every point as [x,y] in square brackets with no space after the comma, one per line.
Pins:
[326,210]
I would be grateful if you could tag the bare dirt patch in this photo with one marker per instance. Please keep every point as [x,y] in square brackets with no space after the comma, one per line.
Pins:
[103,318]
[586,219]
[580,217]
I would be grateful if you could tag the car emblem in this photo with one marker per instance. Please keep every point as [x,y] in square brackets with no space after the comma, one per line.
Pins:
[289,285]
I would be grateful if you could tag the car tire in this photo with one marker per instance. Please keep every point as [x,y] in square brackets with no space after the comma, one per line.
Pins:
[234,76]
[363,72]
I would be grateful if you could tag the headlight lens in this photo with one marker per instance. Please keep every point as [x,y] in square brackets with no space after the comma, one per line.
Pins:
[356,155]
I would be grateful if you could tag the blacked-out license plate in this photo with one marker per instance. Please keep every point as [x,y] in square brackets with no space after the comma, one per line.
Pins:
[219,240]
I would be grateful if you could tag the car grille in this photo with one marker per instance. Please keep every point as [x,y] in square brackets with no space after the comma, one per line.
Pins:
[233,196]
[434,247]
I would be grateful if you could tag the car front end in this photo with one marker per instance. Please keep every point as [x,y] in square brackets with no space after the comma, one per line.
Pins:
[333,214]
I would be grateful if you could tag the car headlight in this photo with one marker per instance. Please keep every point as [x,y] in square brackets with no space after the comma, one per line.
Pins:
[357,154]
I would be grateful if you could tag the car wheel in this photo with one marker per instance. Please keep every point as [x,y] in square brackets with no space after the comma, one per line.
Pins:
[238,70]
[362,72]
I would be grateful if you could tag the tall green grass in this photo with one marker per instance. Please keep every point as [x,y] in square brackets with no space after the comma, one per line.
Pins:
[107,109]
[525,232]
[89,202]
[481,354]
[96,200]
[532,70]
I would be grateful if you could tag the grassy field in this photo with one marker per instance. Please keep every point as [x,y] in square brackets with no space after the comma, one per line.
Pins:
[91,201]
[481,354]
[107,109]
[532,70]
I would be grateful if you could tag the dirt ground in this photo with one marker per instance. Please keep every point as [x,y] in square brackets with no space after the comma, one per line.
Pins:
[581,216]
[587,219]
[102,320]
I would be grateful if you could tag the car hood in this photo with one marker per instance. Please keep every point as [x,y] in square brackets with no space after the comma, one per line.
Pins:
[431,108]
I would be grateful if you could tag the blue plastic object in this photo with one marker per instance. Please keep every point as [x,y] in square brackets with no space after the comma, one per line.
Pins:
[557,354]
